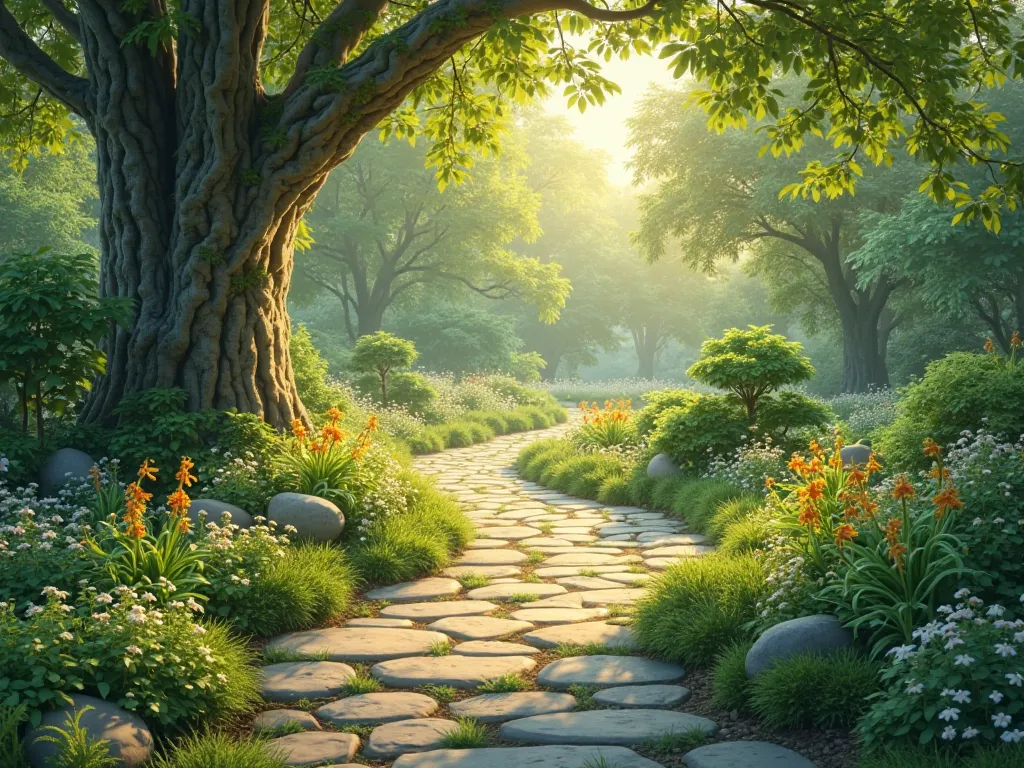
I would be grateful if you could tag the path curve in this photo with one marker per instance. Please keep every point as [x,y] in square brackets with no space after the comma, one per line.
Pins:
[559,570]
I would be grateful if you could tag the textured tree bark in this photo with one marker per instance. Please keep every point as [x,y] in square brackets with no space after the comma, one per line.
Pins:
[864,366]
[646,343]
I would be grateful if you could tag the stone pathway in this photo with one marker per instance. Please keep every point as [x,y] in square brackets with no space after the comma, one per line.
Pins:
[546,571]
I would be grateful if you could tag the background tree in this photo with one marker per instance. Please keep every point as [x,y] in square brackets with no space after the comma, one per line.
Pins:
[382,353]
[750,364]
[217,122]
[716,198]
[50,323]
[461,339]
[383,232]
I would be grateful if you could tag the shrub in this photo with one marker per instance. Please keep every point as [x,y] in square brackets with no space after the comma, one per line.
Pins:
[428,440]
[410,390]
[217,750]
[1003,756]
[11,753]
[494,421]
[310,371]
[960,681]
[539,419]
[699,606]
[962,391]
[750,465]
[783,413]
[729,677]
[697,501]
[693,434]
[382,353]
[664,490]
[74,748]
[811,690]
[534,449]
[481,432]
[658,402]
[518,421]
[750,364]
[614,490]
[748,535]
[731,511]
[607,428]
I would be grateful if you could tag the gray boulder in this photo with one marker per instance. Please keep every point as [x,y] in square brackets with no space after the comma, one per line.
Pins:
[821,634]
[215,510]
[64,465]
[662,465]
[129,740]
[858,454]
[313,517]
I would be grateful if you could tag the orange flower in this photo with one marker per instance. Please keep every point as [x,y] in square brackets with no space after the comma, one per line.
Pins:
[334,415]
[903,489]
[989,346]
[147,471]
[331,434]
[299,429]
[371,423]
[815,466]
[178,502]
[845,533]
[183,476]
[94,473]
[872,465]
[1015,341]
[814,490]
[869,507]
[857,476]
[769,483]
[809,516]
[947,499]
[932,449]
[798,464]
[934,472]
[892,530]
[134,508]
[896,552]
[315,447]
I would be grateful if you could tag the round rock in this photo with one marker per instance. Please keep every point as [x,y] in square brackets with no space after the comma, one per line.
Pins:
[821,634]
[63,465]
[479,627]
[294,680]
[215,511]
[857,453]
[608,671]
[661,466]
[414,591]
[745,754]
[313,517]
[369,708]
[394,739]
[492,648]
[500,707]
[424,612]
[527,757]
[315,748]
[466,672]
[130,741]
[604,726]
[506,591]
[358,643]
[643,696]
[276,719]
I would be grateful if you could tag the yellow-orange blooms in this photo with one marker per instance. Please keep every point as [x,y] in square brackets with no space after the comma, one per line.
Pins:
[903,489]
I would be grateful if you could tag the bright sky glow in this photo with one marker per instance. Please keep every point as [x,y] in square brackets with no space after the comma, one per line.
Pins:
[604,127]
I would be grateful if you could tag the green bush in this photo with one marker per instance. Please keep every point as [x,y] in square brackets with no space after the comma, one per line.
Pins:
[783,413]
[494,421]
[311,375]
[658,402]
[710,425]
[518,421]
[217,750]
[697,501]
[614,490]
[428,440]
[481,433]
[663,491]
[534,449]
[699,607]
[729,678]
[538,417]
[457,434]
[960,391]
[812,690]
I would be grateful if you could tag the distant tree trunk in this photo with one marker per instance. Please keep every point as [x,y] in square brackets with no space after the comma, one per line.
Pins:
[550,371]
[646,343]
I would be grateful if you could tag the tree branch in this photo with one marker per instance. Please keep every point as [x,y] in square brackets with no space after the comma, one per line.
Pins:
[66,18]
[32,61]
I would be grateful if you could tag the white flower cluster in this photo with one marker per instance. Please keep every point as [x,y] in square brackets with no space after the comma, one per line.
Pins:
[749,465]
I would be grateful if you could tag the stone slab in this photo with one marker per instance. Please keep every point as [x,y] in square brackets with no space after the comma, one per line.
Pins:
[745,754]
[527,757]
[380,623]
[424,612]
[501,707]
[315,748]
[415,591]
[275,719]
[554,572]
[491,557]
[628,578]
[360,643]
[465,672]
[479,627]
[679,550]
[488,571]
[294,680]
[617,596]
[549,616]
[514,533]
[385,707]
[643,696]
[606,671]
[603,726]
[582,634]
[506,591]
[587,582]
[492,648]
[588,559]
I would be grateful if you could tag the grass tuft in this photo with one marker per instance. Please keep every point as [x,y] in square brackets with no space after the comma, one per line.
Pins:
[584,696]
[508,683]
[731,686]
[440,648]
[677,741]
[564,650]
[443,694]
[362,683]
[217,749]
[470,734]
[473,581]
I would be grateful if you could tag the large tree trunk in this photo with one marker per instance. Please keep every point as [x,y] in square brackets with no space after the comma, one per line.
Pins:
[369,317]
[864,366]
[645,341]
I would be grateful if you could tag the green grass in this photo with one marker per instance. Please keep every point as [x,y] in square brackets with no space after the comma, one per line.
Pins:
[238,662]
[812,690]
[697,501]
[214,749]
[523,597]
[443,694]
[508,683]
[599,762]
[614,490]
[283,655]
[74,747]
[440,648]
[584,696]
[420,541]
[306,588]
[677,741]
[699,606]
[564,650]
[470,734]
[731,687]
[733,511]
[284,729]
[473,581]
[534,557]
[362,683]
[532,578]
[745,536]
[546,528]
[11,752]
[362,731]
[1001,756]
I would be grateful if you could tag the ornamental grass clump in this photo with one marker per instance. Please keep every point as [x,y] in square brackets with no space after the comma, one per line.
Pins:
[604,428]
[326,464]
[958,681]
